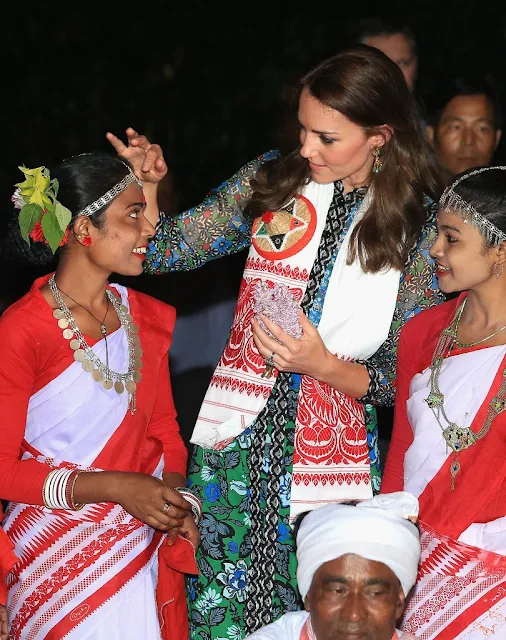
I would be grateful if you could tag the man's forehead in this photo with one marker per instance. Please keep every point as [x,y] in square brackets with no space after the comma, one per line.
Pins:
[351,567]
[476,106]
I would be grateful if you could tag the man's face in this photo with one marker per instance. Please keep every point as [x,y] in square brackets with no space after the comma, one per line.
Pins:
[399,49]
[465,135]
[352,598]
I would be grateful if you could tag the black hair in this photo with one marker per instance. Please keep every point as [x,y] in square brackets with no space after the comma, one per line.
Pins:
[82,179]
[466,86]
[486,192]
[374,26]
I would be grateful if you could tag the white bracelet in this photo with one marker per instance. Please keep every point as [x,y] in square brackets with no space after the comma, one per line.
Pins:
[193,500]
[54,491]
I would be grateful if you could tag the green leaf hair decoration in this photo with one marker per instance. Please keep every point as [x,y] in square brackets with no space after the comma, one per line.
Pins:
[41,216]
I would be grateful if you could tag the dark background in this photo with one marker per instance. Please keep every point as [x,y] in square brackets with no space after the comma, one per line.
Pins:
[207,80]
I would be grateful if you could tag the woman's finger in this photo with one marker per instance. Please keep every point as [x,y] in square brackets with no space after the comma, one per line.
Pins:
[174,497]
[173,512]
[131,133]
[284,338]
[308,327]
[153,154]
[270,345]
[156,523]
[119,146]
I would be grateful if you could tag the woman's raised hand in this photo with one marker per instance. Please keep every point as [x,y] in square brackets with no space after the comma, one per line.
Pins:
[146,158]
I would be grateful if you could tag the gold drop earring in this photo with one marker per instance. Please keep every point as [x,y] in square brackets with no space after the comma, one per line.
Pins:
[378,165]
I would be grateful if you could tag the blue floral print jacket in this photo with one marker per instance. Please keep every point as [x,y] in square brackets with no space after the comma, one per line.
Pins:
[217,227]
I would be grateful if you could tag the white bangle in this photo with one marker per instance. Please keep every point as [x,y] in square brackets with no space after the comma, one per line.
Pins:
[54,491]
[196,505]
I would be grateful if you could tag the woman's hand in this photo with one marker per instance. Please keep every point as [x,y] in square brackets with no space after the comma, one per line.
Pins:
[146,498]
[307,355]
[146,158]
[4,631]
[191,531]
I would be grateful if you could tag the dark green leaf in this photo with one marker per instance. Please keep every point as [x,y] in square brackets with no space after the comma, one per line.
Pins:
[29,215]
[52,231]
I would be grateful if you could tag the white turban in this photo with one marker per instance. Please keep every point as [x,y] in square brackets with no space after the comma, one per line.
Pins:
[377,529]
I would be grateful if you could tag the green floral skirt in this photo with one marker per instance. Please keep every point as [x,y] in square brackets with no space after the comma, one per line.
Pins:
[216,597]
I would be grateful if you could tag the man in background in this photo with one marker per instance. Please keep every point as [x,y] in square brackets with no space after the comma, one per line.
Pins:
[465,127]
[396,41]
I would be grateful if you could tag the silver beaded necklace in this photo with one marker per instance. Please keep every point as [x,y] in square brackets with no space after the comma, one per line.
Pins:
[457,437]
[90,362]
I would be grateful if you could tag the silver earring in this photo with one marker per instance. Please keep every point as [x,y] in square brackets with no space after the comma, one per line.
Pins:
[498,270]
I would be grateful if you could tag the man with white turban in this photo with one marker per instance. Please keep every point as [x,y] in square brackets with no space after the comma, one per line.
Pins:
[356,565]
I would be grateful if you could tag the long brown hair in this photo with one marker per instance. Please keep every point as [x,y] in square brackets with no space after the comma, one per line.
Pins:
[369,89]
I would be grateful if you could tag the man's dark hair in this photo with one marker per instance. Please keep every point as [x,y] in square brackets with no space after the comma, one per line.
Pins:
[466,86]
[373,27]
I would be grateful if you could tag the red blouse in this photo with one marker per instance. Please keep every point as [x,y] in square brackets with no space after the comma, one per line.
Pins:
[417,342]
[34,352]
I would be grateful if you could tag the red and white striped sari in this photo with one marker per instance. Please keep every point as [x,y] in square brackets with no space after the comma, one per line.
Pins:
[93,573]
[461,587]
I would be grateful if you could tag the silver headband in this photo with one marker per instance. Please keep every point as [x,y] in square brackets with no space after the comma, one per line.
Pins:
[451,201]
[110,195]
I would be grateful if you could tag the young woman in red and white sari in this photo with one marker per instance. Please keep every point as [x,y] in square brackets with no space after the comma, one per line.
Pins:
[90,452]
[449,434]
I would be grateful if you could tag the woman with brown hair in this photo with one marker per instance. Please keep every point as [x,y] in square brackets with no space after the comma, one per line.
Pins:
[339,233]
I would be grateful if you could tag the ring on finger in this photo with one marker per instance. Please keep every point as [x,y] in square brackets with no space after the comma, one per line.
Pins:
[166,508]
[269,362]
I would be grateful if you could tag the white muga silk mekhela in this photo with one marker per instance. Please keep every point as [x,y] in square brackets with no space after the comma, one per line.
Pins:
[331,459]
[90,573]
[466,576]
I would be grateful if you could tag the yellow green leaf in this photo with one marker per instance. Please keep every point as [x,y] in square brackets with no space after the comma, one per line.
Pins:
[41,179]
[63,216]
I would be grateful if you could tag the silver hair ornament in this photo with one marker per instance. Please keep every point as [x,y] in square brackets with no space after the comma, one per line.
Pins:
[99,203]
[453,202]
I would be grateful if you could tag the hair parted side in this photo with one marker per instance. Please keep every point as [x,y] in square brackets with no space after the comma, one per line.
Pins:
[80,180]
[369,89]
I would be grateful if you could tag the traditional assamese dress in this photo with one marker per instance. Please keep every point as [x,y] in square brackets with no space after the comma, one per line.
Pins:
[7,561]
[90,573]
[271,448]
[297,626]
[461,586]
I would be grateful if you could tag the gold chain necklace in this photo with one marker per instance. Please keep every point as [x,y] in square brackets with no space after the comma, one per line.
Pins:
[458,438]
[466,345]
